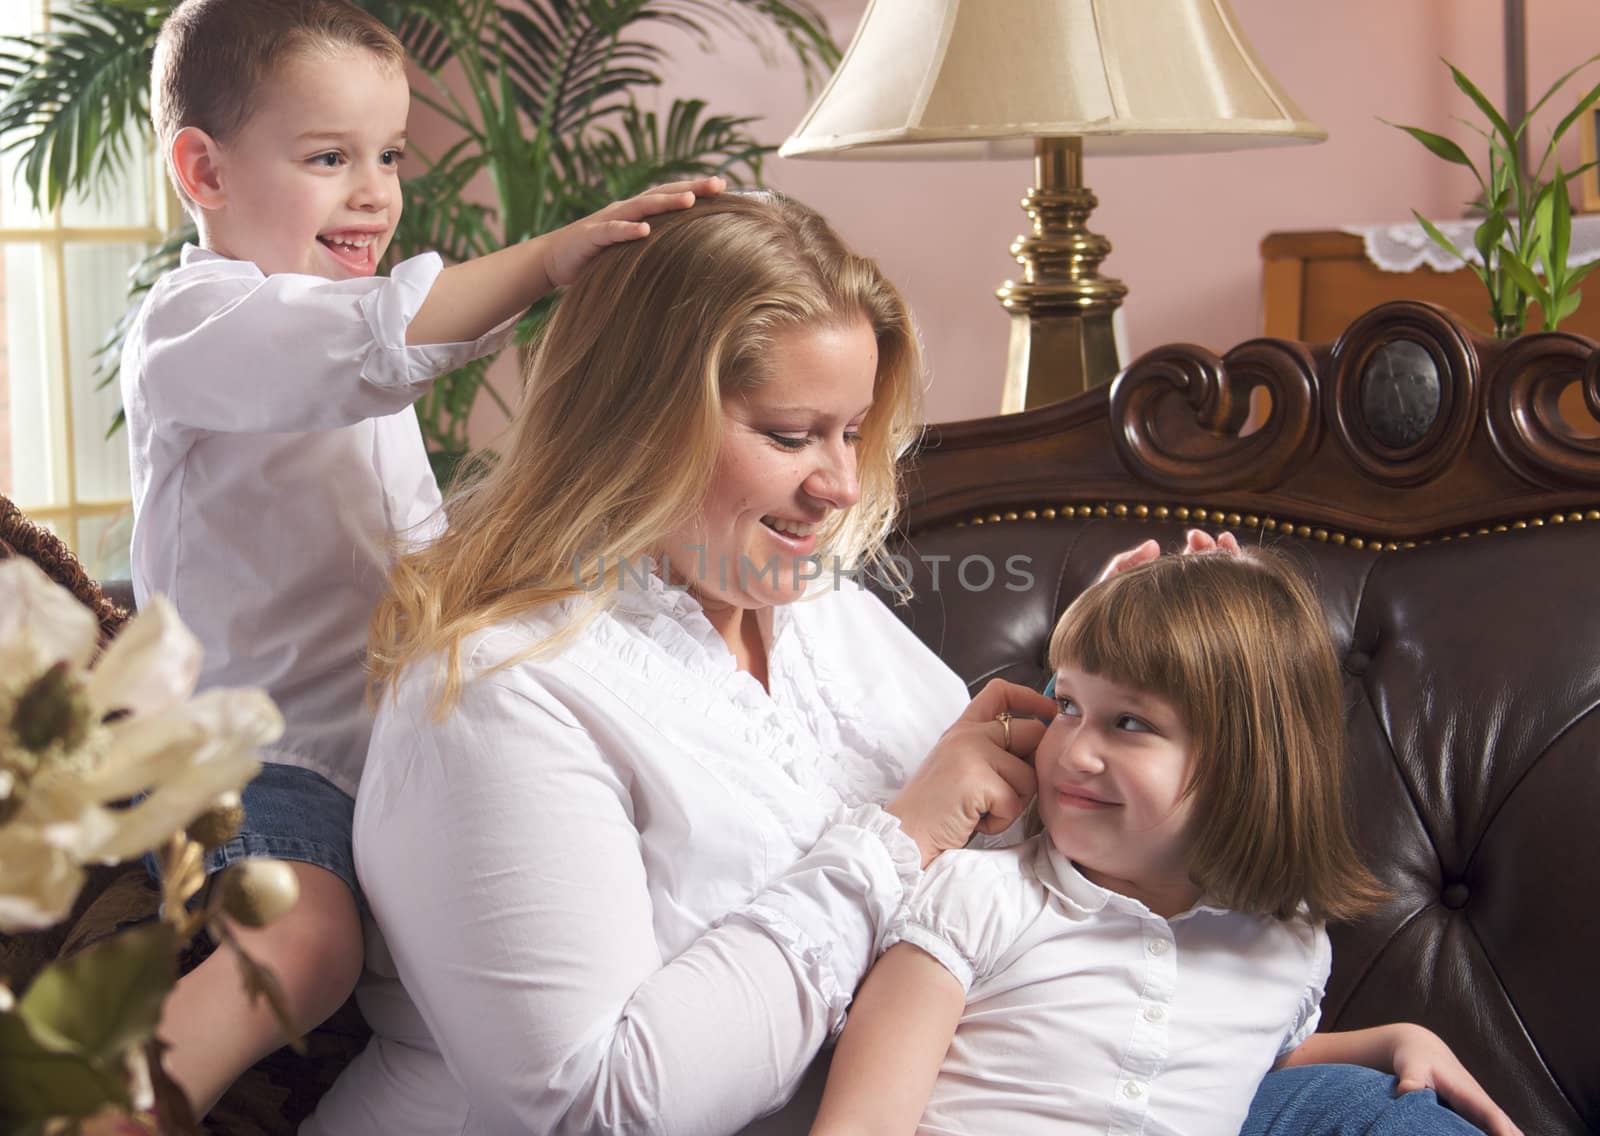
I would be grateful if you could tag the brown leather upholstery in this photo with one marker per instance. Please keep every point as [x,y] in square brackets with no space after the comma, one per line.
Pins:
[1472,655]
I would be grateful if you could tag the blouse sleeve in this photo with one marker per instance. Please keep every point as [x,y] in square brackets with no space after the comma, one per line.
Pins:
[227,349]
[501,855]
[1309,1014]
[962,913]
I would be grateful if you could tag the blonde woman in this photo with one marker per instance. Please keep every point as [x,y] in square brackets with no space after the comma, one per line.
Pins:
[636,820]
[645,798]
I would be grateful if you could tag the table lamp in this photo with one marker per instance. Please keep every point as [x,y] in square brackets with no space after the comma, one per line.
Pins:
[939,79]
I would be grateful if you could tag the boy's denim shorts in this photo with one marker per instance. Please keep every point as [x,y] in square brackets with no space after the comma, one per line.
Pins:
[291,813]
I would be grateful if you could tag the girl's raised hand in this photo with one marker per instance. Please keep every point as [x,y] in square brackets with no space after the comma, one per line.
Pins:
[971,780]
[571,247]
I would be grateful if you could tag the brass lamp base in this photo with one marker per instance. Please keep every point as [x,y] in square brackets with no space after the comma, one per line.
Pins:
[1061,335]
[1053,357]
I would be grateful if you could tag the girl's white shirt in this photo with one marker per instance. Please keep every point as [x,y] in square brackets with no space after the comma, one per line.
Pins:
[1088,1013]
[274,455]
[624,888]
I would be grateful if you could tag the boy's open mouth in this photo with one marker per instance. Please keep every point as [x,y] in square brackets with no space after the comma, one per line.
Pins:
[356,251]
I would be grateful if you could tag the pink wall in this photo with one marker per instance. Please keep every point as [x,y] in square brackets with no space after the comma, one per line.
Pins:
[1186,230]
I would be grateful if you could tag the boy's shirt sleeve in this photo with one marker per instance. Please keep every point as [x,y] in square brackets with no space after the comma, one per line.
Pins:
[223,347]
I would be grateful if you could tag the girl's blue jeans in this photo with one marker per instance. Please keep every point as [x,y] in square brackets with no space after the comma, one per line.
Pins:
[1345,1100]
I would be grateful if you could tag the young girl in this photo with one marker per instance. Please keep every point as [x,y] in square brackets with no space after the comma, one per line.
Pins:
[1142,962]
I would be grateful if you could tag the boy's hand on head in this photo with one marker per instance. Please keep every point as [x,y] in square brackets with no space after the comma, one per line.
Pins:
[1196,540]
[571,247]
[1423,1061]
[1131,558]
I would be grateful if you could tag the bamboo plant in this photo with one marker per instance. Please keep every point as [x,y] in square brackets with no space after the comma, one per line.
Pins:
[1526,229]
[542,95]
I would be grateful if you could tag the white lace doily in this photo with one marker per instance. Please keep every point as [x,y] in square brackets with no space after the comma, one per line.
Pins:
[1405,247]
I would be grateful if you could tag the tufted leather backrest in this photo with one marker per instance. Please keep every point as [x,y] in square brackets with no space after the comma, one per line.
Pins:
[1465,606]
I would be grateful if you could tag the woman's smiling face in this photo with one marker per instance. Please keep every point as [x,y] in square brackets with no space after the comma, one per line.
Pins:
[787,462]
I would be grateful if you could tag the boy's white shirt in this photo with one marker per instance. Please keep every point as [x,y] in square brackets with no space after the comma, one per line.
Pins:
[274,455]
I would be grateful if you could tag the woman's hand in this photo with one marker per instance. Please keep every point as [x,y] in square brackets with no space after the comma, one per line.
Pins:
[571,247]
[1193,541]
[1423,1061]
[970,781]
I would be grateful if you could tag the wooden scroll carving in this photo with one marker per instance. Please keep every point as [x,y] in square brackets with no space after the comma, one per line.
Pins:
[1525,412]
[1166,450]
[1409,427]
[1404,392]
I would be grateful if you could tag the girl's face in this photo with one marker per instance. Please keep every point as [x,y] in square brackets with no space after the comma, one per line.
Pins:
[787,463]
[1112,769]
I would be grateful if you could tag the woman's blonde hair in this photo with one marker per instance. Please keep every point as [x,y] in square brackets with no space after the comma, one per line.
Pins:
[617,436]
[1239,646]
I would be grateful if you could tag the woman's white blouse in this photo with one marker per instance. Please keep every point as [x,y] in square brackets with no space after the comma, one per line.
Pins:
[1088,1013]
[623,889]
[274,453]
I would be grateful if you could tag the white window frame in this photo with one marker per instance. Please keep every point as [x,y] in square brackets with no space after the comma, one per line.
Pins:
[64,381]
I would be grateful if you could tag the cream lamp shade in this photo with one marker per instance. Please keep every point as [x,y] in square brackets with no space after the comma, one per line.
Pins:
[1051,79]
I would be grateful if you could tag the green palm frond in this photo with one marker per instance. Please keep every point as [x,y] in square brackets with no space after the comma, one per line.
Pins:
[639,150]
[432,30]
[438,218]
[75,97]
[443,411]
[565,67]
[569,59]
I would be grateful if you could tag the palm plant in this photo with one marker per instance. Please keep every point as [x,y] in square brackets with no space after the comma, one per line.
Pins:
[541,93]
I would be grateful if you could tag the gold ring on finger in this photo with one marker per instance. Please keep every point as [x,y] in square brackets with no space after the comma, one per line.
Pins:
[1004,718]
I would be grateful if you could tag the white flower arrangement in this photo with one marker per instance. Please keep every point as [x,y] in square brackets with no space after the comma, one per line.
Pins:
[101,762]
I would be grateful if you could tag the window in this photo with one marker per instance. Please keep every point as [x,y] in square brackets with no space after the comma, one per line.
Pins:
[63,286]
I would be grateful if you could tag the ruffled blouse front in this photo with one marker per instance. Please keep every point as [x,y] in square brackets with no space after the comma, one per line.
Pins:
[626,888]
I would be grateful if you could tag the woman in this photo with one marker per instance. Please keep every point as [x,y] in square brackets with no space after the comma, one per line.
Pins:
[634,819]
[643,799]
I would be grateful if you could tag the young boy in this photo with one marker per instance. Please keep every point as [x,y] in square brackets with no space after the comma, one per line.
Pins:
[268,384]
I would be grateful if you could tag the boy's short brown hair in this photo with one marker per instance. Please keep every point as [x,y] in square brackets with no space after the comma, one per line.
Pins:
[1239,645]
[212,55]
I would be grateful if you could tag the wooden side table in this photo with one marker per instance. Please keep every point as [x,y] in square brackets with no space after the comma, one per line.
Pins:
[1315,283]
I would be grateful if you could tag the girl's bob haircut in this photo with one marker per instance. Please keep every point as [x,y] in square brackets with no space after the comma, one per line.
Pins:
[1238,644]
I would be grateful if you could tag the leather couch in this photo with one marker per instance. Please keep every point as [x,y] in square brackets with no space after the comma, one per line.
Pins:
[1437,492]
[1443,492]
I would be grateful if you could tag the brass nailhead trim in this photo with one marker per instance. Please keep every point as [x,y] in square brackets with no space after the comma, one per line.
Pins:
[1219,517]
